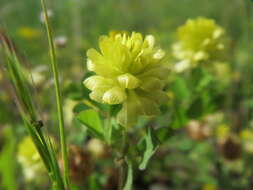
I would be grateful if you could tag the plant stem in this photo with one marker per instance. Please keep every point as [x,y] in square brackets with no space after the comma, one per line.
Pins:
[58,96]
[122,176]
[123,167]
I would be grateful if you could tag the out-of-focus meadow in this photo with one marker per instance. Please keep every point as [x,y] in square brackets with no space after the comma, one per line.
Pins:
[209,115]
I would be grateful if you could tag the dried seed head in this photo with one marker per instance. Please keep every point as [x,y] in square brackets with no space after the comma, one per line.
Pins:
[80,164]
[50,13]
[97,148]
[198,130]
[230,148]
[60,41]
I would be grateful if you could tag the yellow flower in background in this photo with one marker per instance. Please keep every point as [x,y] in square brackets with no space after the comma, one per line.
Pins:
[30,160]
[223,72]
[222,131]
[129,71]
[214,119]
[28,33]
[37,75]
[209,187]
[246,135]
[199,40]
[68,110]
[1,76]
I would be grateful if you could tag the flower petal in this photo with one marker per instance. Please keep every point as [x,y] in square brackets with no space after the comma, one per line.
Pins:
[98,82]
[115,95]
[158,71]
[148,106]
[159,97]
[151,40]
[128,81]
[100,65]
[130,111]
[150,84]
[97,96]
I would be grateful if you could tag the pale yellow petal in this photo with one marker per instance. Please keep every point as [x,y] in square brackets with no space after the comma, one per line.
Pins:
[115,95]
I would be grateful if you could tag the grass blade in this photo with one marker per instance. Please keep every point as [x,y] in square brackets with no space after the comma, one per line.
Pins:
[58,95]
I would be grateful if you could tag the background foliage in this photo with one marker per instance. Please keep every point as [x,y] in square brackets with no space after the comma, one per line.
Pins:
[189,157]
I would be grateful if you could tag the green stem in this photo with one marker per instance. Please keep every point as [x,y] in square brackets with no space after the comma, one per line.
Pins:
[58,95]
[122,176]
[123,166]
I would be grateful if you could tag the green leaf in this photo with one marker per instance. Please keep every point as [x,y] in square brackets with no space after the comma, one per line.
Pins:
[201,79]
[80,107]
[204,82]
[195,110]
[91,120]
[178,116]
[114,109]
[150,149]
[180,89]
[94,182]
[76,91]
[164,133]
[8,166]
[129,182]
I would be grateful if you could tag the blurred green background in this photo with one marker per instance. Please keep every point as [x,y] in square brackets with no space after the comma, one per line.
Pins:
[190,159]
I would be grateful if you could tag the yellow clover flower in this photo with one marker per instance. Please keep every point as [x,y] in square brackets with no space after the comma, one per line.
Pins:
[129,71]
[246,135]
[30,160]
[29,33]
[222,131]
[199,40]
[209,187]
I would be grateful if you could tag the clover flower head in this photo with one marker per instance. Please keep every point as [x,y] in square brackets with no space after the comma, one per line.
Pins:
[222,131]
[246,136]
[30,160]
[28,33]
[130,71]
[199,40]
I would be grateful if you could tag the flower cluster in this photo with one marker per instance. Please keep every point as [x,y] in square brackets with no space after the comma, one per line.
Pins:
[129,71]
[199,40]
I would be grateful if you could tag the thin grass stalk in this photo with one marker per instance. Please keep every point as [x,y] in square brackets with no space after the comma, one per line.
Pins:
[58,96]
[47,154]
[29,116]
